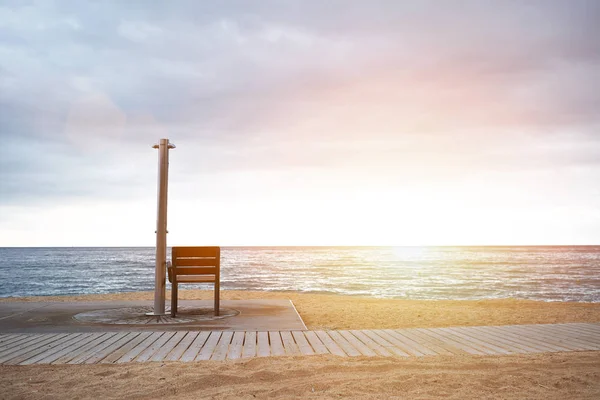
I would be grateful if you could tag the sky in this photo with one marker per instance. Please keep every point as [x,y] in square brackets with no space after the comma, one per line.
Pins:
[301,122]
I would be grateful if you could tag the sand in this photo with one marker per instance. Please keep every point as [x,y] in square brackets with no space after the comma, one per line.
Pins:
[551,376]
[349,312]
[545,376]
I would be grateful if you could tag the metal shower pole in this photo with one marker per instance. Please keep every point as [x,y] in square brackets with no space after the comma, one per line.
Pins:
[161,226]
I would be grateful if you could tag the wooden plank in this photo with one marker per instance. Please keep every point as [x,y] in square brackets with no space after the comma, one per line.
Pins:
[402,342]
[577,334]
[412,346]
[15,343]
[330,344]
[496,330]
[578,329]
[22,343]
[187,271]
[181,347]
[303,344]
[488,340]
[556,338]
[573,334]
[44,350]
[384,343]
[100,346]
[195,251]
[147,353]
[195,278]
[316,343]
[539,337]
[237,343]
[456,342]
[4,338]
[183,265]
[41,341]
[531,345]
[357,344]
[97,338]
[139,348]
[516,331]
[61,351]
[249,345]
[51,349]
[429,343]
[562,339]
[520,339]
[587,325]
[594,327]
[101,354]
[289,345]
[474,340]
[222,348]
[582,327]
[117,354]
[192,351]
[444,342]
[34,338]
[209,346]
[517,347]
[371,343]
[47,345]
[586,337]
[166,348]
[344,344]
[453,341]
[30,343]
[276,344]
[264,349]
[14,340]
[460,343]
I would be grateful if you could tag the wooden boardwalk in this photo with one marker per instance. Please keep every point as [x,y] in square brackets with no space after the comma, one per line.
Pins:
[121,347]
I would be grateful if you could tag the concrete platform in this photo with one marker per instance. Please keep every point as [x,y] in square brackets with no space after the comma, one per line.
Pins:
[116,316]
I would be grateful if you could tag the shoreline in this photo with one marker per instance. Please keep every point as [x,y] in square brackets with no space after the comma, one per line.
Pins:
[332,311]
[148,295]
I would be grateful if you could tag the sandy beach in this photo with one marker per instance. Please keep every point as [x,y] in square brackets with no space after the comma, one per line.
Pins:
[552,376]
[548,376]
[320,311]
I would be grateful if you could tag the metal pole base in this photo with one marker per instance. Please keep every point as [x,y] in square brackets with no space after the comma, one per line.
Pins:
[153,314]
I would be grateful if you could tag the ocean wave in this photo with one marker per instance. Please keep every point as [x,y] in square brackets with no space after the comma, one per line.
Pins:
[471,273]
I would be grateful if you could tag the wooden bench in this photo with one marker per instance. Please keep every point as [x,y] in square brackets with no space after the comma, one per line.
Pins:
[194,265]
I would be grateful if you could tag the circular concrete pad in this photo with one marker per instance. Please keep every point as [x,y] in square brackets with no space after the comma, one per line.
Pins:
[137,316]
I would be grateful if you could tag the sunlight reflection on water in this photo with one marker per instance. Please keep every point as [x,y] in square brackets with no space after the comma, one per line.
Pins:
[539,273]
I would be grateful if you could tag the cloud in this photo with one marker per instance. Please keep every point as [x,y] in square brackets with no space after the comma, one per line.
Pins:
[139,31]
[283,85]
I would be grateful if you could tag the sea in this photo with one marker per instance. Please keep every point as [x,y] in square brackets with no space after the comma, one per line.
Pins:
[546,273]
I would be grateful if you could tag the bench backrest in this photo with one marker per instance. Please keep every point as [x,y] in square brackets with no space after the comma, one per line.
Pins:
[196,260]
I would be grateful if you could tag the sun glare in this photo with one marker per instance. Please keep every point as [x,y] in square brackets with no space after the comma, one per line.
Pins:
[409,252]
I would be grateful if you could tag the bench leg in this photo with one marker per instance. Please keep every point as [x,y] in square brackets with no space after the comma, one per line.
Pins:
[217,297]
[174,296]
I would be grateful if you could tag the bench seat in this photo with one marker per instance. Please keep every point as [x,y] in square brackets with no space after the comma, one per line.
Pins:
[194,265]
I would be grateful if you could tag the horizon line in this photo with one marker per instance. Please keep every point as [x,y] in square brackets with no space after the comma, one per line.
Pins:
[305,246]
